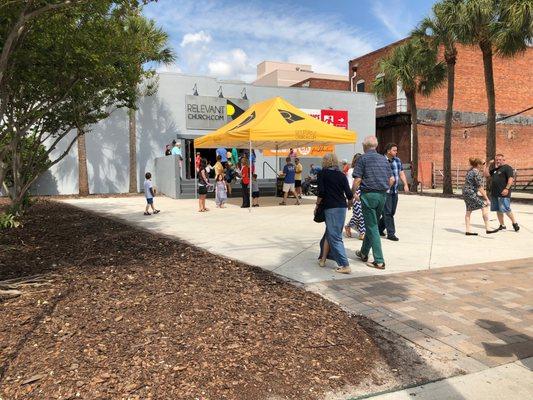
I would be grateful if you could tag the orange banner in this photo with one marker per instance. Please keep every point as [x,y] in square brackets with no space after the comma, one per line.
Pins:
[314,151]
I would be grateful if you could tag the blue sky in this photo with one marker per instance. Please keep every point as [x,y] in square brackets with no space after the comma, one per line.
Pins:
[227,39]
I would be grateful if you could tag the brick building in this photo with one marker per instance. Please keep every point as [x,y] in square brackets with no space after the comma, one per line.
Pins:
[277,73]
[321,83]
[514,95]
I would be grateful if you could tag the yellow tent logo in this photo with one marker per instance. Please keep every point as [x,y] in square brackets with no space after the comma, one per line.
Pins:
[230,110]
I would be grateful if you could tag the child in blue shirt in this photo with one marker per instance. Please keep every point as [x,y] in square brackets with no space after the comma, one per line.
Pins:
[149,193]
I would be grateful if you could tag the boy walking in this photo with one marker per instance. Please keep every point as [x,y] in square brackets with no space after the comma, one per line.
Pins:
[149,193]
[288,182]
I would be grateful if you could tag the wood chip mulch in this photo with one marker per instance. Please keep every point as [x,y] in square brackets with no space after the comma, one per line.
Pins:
[132,315]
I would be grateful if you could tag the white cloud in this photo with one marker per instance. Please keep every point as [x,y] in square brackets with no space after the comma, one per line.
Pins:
[194,38]
[241,36]
[170,68]
[398,23]
[232,64]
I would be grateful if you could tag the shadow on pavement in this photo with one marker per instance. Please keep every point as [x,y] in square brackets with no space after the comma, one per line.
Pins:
[404,344]
[517,344]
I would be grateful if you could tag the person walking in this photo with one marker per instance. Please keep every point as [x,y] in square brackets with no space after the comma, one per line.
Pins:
[288,181]
[149,194]
[357,221]
[245,181]
[373,175]
[335,196]
[500,191]
[386,222]
[474,185]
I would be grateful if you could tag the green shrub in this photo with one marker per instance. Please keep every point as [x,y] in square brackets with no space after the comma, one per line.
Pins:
[8,220]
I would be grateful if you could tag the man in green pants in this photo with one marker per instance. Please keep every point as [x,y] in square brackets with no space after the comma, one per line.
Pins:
[373,175]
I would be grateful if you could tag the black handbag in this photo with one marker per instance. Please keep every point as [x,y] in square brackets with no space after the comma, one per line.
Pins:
[320,215]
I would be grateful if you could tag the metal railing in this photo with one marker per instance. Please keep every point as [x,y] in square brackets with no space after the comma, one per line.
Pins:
[523,178]
[269,166]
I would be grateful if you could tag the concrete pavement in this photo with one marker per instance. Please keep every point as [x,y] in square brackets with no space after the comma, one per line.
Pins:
[512,381]
[284,239]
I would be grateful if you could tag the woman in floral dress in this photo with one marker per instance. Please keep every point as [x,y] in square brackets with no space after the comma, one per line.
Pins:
[474,185]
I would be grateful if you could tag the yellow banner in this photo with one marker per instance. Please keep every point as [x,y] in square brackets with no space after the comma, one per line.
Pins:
[314,151]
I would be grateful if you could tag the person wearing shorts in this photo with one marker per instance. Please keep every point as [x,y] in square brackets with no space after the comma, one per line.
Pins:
[298,177]
[255,191]
[289,171]
[149,194]
[500,192]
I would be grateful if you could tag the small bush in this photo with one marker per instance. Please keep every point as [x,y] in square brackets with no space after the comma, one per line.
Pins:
[8,221]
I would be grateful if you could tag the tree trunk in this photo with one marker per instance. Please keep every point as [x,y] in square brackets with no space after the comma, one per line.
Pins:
[486,49]
[133,151]
[83,178]
[447,149]
[411,101]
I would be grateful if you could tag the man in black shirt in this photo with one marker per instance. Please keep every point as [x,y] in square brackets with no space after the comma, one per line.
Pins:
[502,180]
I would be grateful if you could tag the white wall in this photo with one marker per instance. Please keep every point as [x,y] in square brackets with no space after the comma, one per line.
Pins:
[161,118]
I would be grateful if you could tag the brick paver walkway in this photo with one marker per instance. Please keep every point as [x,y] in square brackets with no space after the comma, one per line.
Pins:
[479,316]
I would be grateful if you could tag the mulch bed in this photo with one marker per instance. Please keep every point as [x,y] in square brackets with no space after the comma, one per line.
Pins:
[132,315]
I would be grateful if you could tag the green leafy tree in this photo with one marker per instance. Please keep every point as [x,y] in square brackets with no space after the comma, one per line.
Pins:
[438,31]
[73,68]
[502,27]
[413,64]
[153,46]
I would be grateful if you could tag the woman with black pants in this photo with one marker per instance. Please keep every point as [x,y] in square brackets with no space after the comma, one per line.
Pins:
[245,181]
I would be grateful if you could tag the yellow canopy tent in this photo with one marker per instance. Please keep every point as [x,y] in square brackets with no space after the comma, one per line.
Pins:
[275,123]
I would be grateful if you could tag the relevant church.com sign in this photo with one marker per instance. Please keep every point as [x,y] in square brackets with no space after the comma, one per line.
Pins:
[210,113]
[339,118]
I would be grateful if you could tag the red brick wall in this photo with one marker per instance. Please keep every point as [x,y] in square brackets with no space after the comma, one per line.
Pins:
[317,83]
[514,141]
[512,81]
[514,92]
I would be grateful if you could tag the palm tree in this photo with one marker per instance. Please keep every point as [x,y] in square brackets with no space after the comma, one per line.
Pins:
[438,31]
[413,64]
[502,27]
[154,48]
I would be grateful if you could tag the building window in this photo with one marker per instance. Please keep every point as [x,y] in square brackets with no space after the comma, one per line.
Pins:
[360,86]
[380,102]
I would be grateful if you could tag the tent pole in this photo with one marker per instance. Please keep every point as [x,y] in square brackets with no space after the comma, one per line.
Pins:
[250,175]
[277,162]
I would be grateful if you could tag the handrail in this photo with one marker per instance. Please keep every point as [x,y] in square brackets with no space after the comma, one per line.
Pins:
[269,166]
